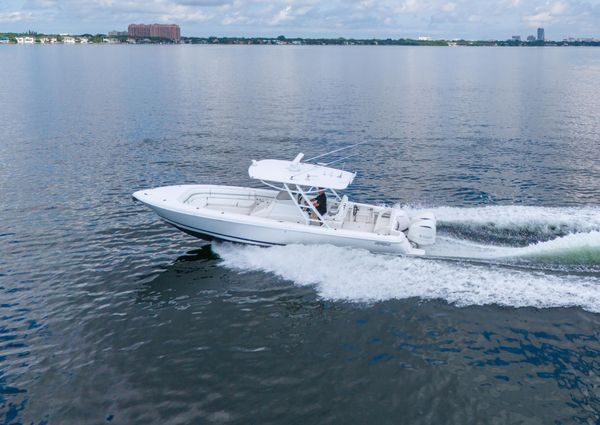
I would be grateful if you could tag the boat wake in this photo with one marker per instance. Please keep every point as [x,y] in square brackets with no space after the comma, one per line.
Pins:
[579,251]
[516,225]
[553,236]
[481,258]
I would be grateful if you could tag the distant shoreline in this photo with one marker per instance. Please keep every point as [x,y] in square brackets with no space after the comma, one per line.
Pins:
[15,38]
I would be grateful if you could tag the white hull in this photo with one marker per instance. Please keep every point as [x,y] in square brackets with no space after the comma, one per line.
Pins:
[234,214]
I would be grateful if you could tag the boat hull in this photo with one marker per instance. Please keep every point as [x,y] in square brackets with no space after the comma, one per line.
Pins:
[221,225]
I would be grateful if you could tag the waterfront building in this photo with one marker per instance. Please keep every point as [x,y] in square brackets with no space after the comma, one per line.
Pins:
[530,38]
[46,40]
[516,38]
[84,40]
[540,34]
[25,40]
[69,40]
[4,40]
[170,31]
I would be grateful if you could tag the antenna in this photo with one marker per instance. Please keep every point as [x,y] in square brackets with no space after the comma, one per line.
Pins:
[341,159]
[296,162]
[334,151]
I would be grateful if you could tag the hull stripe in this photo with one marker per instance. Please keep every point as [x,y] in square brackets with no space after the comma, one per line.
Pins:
[204,234]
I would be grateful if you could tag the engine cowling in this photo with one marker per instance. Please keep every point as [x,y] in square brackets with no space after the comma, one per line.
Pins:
[399,221]
[422,229]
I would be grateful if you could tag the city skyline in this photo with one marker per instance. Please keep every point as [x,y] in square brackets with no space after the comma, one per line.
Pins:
[468,19]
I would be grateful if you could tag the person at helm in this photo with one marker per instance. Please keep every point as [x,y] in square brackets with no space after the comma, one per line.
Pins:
[320,202]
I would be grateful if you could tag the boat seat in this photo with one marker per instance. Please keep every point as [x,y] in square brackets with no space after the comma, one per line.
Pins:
[197,200]
[262,208]
[382,223]
[388,223]
[339,215]
[333,209]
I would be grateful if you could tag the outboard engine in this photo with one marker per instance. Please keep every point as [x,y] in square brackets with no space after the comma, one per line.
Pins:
[422,229]
[399,221]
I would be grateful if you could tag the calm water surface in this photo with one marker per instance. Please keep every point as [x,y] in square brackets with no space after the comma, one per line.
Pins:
[109,316]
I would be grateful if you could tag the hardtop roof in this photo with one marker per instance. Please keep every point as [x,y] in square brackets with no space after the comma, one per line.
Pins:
[300,173]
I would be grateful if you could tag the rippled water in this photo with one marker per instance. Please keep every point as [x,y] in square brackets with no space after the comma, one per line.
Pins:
[109,316]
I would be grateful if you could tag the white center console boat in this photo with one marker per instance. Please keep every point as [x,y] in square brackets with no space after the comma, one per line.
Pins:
[285,213]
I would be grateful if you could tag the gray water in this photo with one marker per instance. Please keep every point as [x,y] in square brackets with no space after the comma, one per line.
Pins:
[109,316]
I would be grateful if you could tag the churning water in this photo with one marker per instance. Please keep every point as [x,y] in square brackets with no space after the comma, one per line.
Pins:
[481,273]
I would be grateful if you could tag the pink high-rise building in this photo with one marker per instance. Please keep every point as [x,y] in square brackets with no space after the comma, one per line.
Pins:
[171,31]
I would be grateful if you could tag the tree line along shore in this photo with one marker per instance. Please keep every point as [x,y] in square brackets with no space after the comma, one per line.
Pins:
[36,38]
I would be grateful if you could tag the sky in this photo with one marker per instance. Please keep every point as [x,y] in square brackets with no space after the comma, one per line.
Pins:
[448,19]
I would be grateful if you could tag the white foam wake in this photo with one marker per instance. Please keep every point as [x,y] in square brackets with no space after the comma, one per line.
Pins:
[573,249]
[516,224]
[360,276]
[576,219]
[578,248]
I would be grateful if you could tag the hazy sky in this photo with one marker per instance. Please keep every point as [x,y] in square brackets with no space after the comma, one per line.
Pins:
[472,19]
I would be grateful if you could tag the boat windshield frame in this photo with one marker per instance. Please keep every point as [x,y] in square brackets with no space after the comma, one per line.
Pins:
[301,199]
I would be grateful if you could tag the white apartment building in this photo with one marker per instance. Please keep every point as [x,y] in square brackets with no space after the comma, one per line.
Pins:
[25,40]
